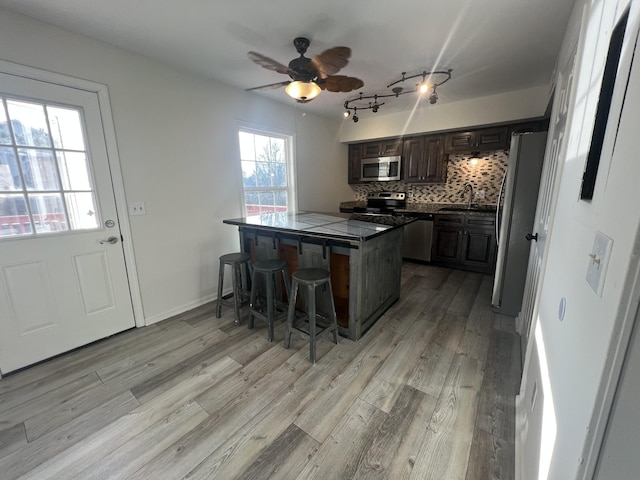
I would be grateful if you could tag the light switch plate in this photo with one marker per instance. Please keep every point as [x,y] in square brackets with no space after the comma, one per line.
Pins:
[598,262]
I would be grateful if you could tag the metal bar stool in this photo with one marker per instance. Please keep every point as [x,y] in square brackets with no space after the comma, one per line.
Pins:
[272,309]
[239,296]
[312,278]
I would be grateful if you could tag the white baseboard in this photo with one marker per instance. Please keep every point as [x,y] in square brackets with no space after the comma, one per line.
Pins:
[181,309]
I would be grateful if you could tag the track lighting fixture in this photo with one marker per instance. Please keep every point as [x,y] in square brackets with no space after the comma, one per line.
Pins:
[427,83]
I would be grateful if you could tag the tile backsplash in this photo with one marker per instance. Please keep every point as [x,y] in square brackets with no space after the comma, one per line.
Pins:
[485,175]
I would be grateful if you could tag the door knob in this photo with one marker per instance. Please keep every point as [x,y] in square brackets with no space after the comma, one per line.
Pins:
[531,237]
[112,240]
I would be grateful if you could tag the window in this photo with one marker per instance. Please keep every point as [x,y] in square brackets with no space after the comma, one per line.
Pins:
[267,176]
[45,182]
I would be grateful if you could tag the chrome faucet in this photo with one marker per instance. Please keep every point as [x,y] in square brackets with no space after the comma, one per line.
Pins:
[468,188]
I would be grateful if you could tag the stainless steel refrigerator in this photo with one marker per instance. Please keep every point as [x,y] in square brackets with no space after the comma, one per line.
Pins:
[514,220]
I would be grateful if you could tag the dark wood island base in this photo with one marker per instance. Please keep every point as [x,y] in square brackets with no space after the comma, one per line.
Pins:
[364,258]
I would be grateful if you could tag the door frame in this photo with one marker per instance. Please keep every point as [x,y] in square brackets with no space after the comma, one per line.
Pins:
[104,103]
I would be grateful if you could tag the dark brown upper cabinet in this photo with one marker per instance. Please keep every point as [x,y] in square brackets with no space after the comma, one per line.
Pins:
[424,160]
[481,140]
[383,148]
[355,162]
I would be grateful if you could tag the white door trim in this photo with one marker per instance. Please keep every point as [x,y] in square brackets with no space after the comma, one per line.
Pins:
[102,93]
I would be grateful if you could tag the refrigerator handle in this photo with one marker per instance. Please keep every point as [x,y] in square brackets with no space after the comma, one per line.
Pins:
[504,178]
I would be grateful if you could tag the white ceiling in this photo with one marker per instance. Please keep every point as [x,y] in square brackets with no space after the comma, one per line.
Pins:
[493,46]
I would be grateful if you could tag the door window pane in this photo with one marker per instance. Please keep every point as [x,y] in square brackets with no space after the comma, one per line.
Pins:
[66,128]
[5,135]
[39,169]
[29,123]
[13,215]
[74,170]
[9,173]
[82,210]
[48,212]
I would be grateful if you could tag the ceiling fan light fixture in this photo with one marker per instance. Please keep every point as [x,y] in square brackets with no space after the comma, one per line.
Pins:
[303,91]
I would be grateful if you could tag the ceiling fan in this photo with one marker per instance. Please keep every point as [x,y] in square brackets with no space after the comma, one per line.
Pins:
[309,76]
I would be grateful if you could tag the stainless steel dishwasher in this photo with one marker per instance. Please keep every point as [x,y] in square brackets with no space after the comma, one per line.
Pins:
[416,240]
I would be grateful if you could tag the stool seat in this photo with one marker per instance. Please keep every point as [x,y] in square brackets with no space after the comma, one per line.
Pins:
[235,257]
[312,275]
[239,295]
[272,309]
[312,279]
[270,264]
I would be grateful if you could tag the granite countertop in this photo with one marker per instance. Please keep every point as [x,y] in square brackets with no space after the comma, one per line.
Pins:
[322,225]
[444,208]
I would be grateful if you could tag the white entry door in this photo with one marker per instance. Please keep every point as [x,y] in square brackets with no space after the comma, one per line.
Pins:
[63,281]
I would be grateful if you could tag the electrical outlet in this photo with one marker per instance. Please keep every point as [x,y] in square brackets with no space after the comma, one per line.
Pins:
[479,193]
[137,208]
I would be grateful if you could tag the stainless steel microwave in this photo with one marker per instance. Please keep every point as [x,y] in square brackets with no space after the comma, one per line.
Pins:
[381,169]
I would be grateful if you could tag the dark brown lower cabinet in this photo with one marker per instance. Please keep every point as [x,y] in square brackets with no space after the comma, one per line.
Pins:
[464,241]
[447,239]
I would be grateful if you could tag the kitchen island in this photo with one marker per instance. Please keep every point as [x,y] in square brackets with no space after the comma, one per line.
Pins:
[363,254]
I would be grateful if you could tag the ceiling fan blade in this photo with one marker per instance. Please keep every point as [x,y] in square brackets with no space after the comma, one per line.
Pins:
[268,63]
[271,86]
[330,61]
[341,83]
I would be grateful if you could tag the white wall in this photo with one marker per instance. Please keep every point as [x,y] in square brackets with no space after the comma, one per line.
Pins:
[504,107]
[178,151]
[619,457]
[577,347]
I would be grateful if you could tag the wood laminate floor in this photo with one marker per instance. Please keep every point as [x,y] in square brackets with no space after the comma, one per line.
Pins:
[427,393]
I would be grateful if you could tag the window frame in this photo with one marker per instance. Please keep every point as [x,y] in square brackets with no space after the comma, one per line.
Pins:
[62,192]
[291,187]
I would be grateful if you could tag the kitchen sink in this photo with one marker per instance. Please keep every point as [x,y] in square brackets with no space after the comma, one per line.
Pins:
[487,208]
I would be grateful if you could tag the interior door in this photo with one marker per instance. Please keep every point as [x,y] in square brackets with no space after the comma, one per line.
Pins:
[63,280]
[532,400]
[546,198]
